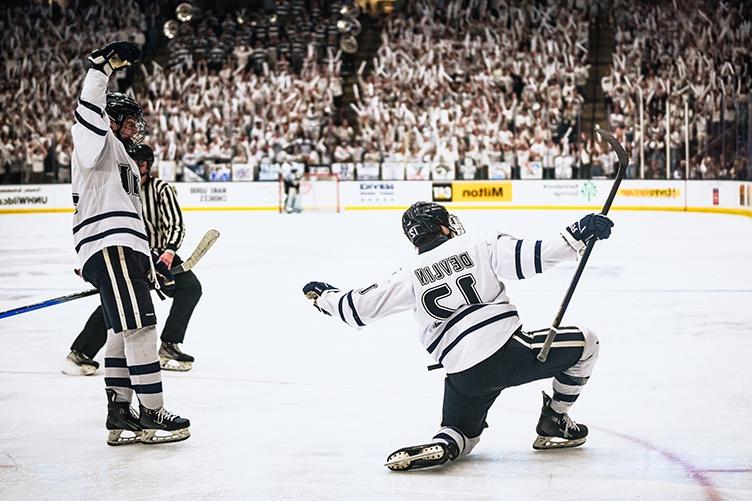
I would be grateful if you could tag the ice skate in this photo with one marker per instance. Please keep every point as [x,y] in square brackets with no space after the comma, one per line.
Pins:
[172,358]
[122,422]
[422,456]
[557,431]
[78,364]
[161,426]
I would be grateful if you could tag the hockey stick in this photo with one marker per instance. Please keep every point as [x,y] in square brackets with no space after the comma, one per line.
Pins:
[203,246]
[623,162]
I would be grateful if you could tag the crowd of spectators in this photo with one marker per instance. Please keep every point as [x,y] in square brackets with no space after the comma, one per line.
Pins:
[698,52]
[248,87]
[484,82]
[42,52]
[461,83]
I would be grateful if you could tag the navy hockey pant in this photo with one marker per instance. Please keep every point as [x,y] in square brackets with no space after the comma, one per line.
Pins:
[468,395]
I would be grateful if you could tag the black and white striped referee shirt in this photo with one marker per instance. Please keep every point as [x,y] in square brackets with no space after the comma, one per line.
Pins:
[162,216]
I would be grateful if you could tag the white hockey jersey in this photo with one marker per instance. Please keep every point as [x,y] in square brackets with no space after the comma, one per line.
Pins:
[456,293]
[104,179]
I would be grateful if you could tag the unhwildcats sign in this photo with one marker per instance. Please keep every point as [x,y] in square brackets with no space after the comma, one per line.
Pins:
[472,192]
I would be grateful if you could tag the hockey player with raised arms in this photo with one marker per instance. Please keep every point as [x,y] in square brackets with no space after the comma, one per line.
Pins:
[454,285]
[113,248]
[165,228]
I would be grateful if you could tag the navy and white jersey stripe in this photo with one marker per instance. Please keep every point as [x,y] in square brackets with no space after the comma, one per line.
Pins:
[528,257]
[162,215]
[105,181]
[456,292]
[347,311]
[473,331]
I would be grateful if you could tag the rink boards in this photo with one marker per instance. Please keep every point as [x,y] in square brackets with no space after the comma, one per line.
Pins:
[731,197]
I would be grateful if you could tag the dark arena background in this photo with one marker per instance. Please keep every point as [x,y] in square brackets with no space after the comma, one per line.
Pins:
[301,130]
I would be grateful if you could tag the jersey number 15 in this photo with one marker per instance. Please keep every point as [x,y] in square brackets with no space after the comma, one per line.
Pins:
[430,299]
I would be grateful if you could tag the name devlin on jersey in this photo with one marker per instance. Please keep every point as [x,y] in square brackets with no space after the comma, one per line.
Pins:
[444,268]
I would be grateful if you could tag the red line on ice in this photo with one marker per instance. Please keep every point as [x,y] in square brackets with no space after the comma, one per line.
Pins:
[694,473]
[727,470]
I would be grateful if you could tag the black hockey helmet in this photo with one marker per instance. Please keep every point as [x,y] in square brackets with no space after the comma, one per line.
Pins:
[423,220]
[141,153]
[121,106]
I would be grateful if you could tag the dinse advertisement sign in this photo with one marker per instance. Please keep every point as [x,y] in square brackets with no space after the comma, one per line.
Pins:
[365,195]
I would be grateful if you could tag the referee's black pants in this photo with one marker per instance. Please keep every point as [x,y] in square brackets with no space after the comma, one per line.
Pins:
[185,297]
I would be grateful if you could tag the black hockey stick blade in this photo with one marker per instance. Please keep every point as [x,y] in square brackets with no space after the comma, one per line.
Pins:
[203,246]
[622,168]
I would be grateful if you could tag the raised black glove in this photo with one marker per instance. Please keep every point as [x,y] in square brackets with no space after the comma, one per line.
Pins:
[314,290]
[591,226]
[114,57]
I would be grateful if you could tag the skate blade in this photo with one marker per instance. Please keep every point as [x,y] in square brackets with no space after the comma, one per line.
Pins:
[151,436]
[71,369]
[123,437]
[402,460]
[545,443]
[169,364]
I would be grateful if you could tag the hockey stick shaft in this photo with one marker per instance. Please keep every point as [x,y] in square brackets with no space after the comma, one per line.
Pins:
[203,246]
[623,162]
[48,302]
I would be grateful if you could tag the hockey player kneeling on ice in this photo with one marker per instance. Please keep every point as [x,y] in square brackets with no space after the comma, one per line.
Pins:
[165,229]
[454,286]
[113,248]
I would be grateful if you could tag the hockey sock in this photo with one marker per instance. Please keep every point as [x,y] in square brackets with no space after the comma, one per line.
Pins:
[143,365]
[450,434]
[568,384]
[116,376]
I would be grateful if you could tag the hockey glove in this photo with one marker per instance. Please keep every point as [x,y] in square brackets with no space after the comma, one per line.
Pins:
[314,290]
[164,275]
[114,57]
[579,233]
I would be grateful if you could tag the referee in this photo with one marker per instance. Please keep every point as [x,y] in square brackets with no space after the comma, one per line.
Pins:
[165,229]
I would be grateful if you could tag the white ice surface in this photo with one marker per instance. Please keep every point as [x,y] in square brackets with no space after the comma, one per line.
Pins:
[288,404]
